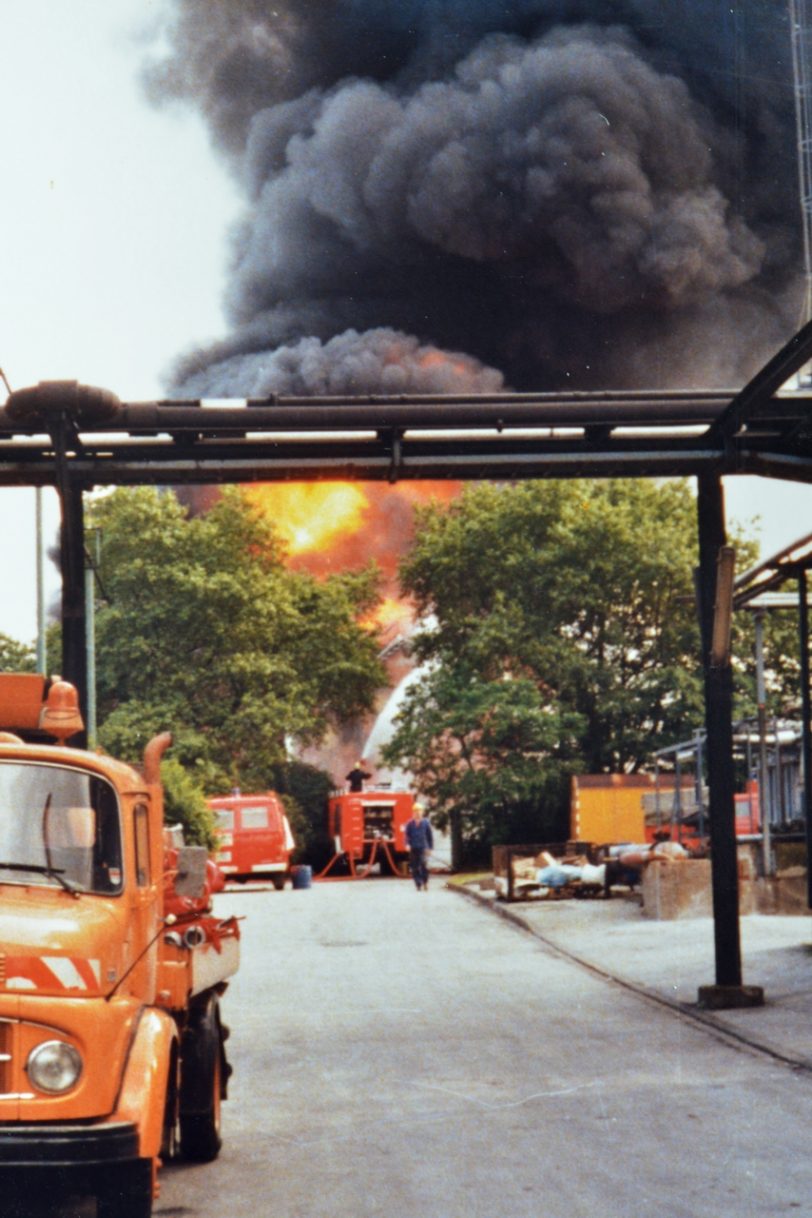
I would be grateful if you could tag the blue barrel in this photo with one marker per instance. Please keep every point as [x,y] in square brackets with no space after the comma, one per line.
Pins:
[302,875]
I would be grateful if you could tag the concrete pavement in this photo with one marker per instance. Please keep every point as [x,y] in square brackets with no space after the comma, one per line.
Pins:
[668,961]
[400,1054]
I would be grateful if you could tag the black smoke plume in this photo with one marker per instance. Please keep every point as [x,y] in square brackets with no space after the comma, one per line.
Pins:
[447,194]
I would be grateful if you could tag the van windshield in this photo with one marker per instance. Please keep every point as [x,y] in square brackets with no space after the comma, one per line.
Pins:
[59,826]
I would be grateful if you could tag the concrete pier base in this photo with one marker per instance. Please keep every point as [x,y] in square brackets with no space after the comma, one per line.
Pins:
[728,997]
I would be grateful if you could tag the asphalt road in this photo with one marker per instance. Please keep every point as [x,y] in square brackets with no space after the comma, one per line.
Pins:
[414,1056]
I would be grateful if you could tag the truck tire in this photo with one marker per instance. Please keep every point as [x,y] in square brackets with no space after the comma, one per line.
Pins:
[170,1137]
[128,1194]
[203,1074]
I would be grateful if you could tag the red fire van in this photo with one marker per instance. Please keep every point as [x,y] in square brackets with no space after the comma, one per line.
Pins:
[254,836]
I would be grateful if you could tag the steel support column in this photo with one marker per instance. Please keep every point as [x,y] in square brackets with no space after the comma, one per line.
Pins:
[61,426]
[72,561]
[763,768]
[719,726]
[806,736]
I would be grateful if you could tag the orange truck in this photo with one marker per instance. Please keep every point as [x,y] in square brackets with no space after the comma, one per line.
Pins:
[368,827]
[609,807]
[627,808]
[112,967]
[254,835]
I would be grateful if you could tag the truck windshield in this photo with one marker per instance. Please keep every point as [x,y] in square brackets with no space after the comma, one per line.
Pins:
[63,824]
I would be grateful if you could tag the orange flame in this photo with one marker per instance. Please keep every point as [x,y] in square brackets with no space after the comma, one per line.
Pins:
[442,359]
[390,610]
[311,517]
[337,526]
[392,616]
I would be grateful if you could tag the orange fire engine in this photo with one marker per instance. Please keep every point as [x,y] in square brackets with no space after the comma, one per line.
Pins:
[367,827]
[111,967]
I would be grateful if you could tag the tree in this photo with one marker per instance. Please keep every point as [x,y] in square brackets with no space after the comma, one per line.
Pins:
[204,630]
[16,657]
[564,635]
[782,664]
[305,790]
[185,805]
[490,756]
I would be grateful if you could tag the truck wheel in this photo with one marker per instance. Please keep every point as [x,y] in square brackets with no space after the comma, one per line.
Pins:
[169,1140]
[202,1086]
[278,882]
[129,1195]
[116,1206]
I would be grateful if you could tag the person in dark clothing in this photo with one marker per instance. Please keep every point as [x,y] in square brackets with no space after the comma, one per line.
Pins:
[357,777]
[420,841]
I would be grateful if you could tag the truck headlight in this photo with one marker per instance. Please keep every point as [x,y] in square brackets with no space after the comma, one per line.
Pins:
[54,1066]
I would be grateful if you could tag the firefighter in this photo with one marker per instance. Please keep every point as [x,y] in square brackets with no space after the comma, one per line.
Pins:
[357,777]
[420,840]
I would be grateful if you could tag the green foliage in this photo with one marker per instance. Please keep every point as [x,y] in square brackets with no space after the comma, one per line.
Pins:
[564,636]
[185,804]
[490,756]
[16,657]
[304,790]
[53,648]
[204,630]
[782,664]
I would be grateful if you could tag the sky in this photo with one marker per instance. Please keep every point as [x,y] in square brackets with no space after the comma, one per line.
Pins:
[114,224]
[114,219]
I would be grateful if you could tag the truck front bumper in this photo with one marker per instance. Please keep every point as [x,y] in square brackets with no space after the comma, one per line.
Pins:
[69,1158]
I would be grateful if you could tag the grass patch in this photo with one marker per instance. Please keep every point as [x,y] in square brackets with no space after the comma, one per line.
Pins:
[469,877]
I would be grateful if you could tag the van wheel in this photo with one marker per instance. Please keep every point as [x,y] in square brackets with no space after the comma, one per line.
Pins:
[204,1072]
[278,882]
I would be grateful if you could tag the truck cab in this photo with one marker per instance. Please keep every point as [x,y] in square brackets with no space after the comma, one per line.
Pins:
[111,1045]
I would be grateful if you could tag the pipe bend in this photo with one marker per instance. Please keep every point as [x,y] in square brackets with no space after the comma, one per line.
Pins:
[153,753]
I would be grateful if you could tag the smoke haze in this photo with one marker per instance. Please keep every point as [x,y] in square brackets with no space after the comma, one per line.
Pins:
[558,193]
[465,195]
